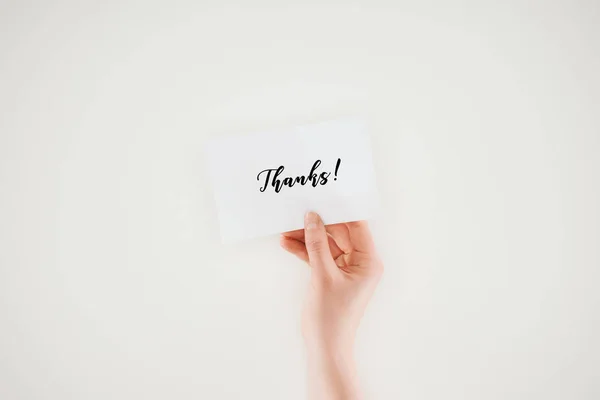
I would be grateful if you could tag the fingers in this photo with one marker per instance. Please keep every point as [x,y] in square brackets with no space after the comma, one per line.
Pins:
[297,234]
[295,247]
[360,236]
[317,242]
[333,246]
[345,237]
[341,236]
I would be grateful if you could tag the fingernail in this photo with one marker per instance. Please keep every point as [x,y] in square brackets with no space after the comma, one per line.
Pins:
[311,220]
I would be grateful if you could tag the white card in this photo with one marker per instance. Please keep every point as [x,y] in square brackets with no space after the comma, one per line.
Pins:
[265,182]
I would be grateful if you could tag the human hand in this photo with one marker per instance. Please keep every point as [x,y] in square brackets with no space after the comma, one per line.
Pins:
[345,272]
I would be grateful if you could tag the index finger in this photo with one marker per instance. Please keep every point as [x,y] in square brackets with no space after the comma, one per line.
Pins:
[297,234]
[360,236]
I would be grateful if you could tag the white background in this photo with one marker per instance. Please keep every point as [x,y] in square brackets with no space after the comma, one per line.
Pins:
[486,140]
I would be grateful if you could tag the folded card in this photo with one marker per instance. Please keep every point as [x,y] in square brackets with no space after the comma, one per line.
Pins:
[265,182]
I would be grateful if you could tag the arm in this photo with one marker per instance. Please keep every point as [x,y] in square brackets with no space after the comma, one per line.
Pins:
[331,374]
[345,271]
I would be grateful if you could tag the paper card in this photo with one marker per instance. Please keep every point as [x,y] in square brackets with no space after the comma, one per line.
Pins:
[265,182]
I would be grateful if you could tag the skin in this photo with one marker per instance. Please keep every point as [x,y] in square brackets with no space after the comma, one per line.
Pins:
[345,272]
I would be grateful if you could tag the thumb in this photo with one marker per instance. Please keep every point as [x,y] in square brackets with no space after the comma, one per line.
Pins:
[317,243]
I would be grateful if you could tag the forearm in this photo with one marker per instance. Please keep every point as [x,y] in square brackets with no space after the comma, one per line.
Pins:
[332,373]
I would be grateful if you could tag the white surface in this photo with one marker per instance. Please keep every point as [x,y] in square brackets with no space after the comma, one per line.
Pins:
[486,142]
[249,174]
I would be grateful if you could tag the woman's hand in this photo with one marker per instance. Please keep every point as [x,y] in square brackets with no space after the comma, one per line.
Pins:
[345,272]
